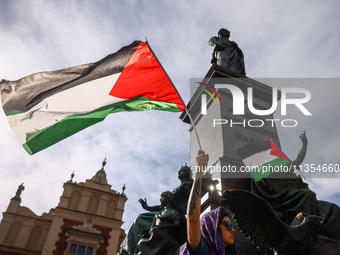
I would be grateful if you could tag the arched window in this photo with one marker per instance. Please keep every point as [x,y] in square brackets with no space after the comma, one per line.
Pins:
[111,209]
[93,204]
[34,238]
[74,200]
[13,233]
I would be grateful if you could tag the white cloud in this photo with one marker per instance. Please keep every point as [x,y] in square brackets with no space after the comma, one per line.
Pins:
[144,150]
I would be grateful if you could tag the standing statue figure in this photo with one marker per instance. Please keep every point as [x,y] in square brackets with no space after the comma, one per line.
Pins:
[161,221]
[21,187]
[227,53]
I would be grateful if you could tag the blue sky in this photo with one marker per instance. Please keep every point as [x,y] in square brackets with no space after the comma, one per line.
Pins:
[280,39]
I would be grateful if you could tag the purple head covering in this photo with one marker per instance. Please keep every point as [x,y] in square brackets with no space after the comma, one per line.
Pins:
[212,235]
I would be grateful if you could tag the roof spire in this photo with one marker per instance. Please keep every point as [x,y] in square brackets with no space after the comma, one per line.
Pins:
[100,176]
[104,163]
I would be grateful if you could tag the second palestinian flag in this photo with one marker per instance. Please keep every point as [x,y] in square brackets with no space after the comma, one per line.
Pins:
[47,107]
[260,157]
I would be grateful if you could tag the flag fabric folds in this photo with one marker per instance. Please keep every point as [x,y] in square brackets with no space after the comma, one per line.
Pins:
[263,159]
[46,107]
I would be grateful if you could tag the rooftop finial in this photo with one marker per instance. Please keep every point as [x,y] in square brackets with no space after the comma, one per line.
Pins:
[123,188]
[104,163]
[72,175]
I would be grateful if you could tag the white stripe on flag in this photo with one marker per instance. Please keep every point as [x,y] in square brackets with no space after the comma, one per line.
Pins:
[81,99]
[259,158]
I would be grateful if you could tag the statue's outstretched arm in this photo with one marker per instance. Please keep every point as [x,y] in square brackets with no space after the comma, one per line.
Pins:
[302,153]
[216,43]
[213,41]
[145,206]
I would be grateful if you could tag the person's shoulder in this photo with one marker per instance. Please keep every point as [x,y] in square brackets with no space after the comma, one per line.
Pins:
[234,44]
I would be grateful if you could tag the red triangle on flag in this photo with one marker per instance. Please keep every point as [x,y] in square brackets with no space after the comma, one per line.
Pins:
[275,151]
[144,76]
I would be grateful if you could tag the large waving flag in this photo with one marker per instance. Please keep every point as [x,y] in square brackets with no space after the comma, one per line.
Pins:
[44,108]
[263,158]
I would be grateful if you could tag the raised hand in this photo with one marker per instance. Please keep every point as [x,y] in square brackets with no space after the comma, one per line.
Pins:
[143,203]
[303,138]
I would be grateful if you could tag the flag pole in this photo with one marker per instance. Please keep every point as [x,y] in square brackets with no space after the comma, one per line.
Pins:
[186,109]
[194,127]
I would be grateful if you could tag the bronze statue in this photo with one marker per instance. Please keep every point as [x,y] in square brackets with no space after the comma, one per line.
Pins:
[288,196]
[257,220]
[167,231]
[281,189]
[169,213]
[227,53]
[163,222]
[21,187]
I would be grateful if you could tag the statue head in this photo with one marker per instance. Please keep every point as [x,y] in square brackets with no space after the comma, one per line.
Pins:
[224,33]
[184,172]
[167,197]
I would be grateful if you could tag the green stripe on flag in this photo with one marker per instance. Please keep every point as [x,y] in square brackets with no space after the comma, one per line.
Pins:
[265,170]
[39,140]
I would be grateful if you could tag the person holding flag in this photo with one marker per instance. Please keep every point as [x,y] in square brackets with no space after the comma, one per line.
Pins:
[213,233]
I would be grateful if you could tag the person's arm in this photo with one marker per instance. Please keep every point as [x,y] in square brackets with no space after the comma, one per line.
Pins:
[194,204]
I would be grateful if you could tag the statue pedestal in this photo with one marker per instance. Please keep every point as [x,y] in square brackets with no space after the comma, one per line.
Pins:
[223,140]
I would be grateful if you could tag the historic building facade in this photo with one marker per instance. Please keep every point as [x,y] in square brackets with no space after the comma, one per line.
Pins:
[86,221]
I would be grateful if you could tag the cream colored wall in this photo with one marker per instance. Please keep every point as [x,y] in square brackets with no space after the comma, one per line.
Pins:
[87,191]
[106,212]
[17,225]
[52,236]
[100,217]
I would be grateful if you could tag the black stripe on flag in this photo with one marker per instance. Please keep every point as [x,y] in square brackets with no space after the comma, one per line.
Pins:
[27,92]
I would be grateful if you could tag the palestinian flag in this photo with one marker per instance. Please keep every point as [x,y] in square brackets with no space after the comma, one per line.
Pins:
[263,159]
[44,108]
